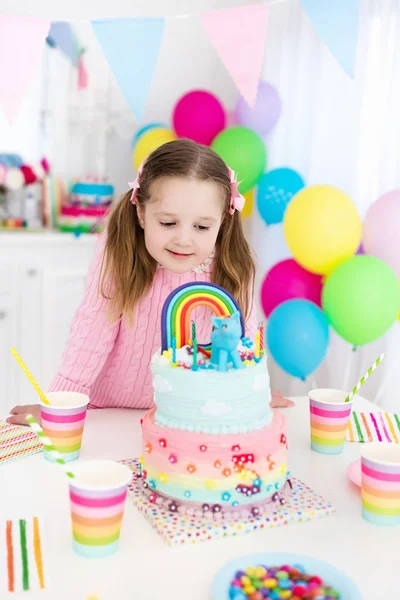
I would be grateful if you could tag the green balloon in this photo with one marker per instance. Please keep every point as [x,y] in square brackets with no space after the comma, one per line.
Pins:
[361,299]
[243,151]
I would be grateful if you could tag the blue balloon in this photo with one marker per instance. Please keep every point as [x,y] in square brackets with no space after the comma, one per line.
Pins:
[275,190]
[298,337]
[144,129]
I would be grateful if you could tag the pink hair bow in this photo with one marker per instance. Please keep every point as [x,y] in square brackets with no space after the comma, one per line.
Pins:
[237,200]
[135,185]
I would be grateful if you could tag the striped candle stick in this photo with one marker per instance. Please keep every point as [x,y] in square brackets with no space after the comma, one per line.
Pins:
[23,556]
[195,347]
[364,379]
[262,339]
[380,484]
[63,422]
[174,351]
[98,495]
[257,349]
[329,416]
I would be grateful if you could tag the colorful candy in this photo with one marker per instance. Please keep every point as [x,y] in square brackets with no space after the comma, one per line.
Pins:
[279,583]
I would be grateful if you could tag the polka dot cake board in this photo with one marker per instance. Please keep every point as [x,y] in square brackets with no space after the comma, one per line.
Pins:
[330,574]
[303,505]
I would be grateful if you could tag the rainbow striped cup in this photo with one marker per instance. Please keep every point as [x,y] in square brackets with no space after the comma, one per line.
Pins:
[98,493]
[380,483]
[329,415]
[63,422]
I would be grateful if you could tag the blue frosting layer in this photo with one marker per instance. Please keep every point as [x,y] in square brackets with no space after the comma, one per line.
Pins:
[210,401]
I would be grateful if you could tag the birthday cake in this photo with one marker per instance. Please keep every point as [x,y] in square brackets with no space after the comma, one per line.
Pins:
[212,444]
[88,205]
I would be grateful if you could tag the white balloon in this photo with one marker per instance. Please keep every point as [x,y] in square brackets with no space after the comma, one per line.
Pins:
[270,246]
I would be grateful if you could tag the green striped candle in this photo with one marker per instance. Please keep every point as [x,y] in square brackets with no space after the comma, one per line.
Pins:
[364,379]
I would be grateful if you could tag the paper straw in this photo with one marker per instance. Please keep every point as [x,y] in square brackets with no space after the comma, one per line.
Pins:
[364,379]
[30,376]
[47,443]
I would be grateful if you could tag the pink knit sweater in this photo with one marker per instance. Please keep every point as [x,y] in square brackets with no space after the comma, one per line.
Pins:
[110,362]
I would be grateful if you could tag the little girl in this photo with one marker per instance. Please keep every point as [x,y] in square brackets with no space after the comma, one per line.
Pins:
[178,223]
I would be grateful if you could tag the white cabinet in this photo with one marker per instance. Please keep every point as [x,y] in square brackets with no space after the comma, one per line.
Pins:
[42,278]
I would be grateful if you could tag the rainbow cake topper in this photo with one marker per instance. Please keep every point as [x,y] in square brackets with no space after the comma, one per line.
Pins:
[175,316]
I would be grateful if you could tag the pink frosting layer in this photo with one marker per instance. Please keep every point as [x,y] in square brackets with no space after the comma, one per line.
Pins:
[173,451]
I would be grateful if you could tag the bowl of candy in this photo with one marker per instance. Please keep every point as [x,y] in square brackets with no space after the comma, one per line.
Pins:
[279,576]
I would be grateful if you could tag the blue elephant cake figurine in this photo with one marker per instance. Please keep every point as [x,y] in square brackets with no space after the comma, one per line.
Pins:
[225,338]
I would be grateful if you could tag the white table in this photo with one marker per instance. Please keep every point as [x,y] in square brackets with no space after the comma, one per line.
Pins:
[146,568]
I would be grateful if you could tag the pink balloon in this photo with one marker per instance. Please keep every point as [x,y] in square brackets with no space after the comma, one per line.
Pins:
[381,230]
[199,116]
[287,280]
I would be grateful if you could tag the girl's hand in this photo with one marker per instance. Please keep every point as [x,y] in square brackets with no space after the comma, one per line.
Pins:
[18,414]
[278,400]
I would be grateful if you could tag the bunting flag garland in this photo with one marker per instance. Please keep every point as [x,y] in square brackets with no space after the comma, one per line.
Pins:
[238,35]
[131,47]
[21,46]
[337,23]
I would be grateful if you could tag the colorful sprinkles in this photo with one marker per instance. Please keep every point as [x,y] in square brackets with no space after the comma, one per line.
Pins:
[276,582]
[177,529]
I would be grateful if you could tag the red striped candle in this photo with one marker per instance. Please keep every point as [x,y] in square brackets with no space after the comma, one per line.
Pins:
[63,422]
[329,415]
[380,483]
[97,494]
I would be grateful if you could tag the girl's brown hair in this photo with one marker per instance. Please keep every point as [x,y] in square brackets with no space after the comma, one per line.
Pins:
[128,269]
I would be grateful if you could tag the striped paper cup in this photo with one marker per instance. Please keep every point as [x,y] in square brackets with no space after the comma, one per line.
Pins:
[63,422]
[329,415]
[98,493]
[380,483]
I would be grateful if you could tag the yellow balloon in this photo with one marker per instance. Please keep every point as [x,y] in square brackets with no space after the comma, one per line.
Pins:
[150,141]
[322,228]
[248,205]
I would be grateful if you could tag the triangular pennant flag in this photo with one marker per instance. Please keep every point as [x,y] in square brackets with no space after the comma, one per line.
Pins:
[62,36]
[131,47]
[22,40]
[337,24]
[238,35]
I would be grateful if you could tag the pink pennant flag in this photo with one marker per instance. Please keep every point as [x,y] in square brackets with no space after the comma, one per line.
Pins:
[238,35]
[22,40]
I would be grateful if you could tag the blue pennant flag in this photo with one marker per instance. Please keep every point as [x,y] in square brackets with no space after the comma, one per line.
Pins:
[62,36]
[131,47]
[337,23]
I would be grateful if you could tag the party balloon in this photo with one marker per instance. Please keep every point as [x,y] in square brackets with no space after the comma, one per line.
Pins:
[288,280]
[298,337]
[199,116]
[244,151]
[381,230]
[150,141]
[248,205]
[145,128]
[275,190]
[361,299]
[263,117]
[322,228]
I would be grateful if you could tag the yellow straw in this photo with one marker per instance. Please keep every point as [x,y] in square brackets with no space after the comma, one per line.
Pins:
[30,376]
